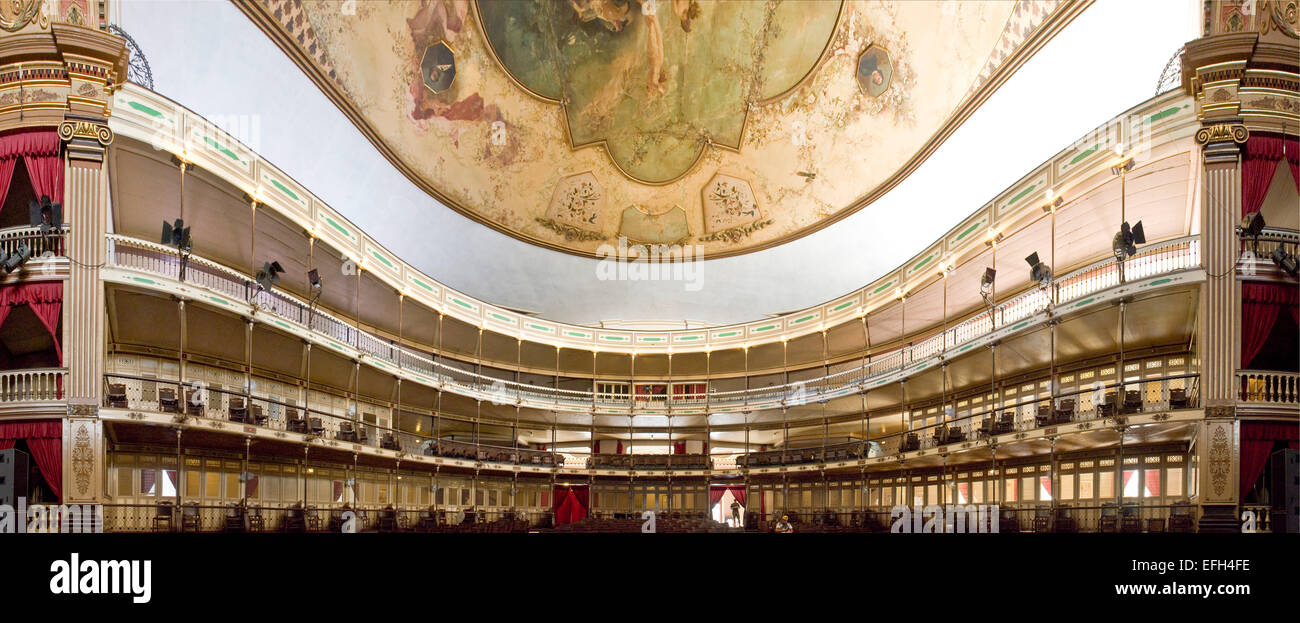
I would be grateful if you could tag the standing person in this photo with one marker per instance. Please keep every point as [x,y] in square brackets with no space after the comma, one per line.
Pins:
[735,513]
[783,526]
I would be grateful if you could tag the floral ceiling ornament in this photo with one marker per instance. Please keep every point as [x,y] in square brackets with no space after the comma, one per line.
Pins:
[657,82]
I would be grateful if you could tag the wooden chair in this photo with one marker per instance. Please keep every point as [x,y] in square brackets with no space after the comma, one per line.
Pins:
[238,409]
[167,402]
[1042,519]
[1109,520]
[1043,416]
[987,428]
[956,434]
[1131,518]
[256,522]
[117,395]
[234,518]
[347,432]
[317,426]
[256,415]
[1108,407]
[389,442]
[1178,398]
[295,421]
[193,403]
[1006,423]
[1132,401]
[1180,517]
[909,443]
[190,517]
[1064,411]
[162,517]
[1008,520]
[388,520]
[1064,520]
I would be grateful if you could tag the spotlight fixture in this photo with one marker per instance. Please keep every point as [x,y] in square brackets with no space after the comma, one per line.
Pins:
[1122,167]
[1286,261]
[1126,240]
[20,256]
[177,235]
[269,276]
[45,214]
[1252,225]
[986,285]
[1038,270]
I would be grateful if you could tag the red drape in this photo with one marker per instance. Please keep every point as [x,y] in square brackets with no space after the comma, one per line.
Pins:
[570,504]
[1292,148]
[679,447]
[44,299]
[1260,305]
[1257,167]
[717,491]
[6,444]
[1257,439]
[619,448]
[39,150]
[45,440]
[6,176]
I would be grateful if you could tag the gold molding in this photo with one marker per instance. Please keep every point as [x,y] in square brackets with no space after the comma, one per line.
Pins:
[1222,133]
[1045,32]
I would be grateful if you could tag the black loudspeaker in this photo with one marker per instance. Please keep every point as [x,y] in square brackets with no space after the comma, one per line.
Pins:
[13,477]
[1285,491]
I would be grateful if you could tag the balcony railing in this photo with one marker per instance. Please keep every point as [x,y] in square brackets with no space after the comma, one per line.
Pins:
[33,385]
[39,244]
[191,399]
[1268,388]
[1159,258]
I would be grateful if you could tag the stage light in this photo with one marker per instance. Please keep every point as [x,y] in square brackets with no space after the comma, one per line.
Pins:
[1251,225]
[1286,261]
[45,214]
[269,276]
[1038,270]
[20,256]
[177,235]
[1126,240]
[986,285]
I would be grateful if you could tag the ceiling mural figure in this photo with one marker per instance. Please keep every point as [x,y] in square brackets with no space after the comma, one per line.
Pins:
[653,94]
[735,126]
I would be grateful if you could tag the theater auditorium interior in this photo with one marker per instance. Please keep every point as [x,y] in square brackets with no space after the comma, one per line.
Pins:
[592,266]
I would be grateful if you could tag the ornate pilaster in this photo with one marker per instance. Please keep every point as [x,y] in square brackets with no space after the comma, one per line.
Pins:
[1243,76]
[57,74]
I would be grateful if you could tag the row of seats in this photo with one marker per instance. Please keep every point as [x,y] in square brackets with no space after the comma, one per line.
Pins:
[650,461]
[838,452]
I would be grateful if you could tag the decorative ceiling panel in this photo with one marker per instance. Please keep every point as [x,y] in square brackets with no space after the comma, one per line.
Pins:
[726,126]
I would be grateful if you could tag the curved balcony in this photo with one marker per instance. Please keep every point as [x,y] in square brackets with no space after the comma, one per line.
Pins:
[137,262]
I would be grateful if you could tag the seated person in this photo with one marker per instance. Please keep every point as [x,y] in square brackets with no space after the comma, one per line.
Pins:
[783,526]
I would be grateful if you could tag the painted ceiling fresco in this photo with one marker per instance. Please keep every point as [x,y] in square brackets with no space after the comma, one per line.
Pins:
[729,126]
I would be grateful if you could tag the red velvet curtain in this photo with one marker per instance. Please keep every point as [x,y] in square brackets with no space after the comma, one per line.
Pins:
[570,504]
[39,150]
[1257,167]
[1292,148]
[679,447]
[44,299]
[1257,439]
[1260,305]
[45,440]
[6,176]
[717,491]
